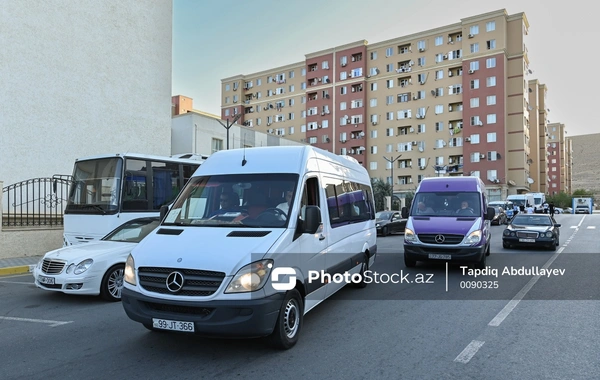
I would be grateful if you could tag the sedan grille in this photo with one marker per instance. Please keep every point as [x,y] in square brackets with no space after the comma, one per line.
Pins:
[528,235]
[196,283]
[435,238]
[50,266]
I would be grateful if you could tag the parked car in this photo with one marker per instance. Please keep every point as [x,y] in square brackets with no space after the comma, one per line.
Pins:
[532,230]
[582,209]
[389,221]
[94,268]
[500,216]
[558,210]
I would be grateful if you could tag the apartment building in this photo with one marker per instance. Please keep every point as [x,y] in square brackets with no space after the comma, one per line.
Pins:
[559,160]
[454,100]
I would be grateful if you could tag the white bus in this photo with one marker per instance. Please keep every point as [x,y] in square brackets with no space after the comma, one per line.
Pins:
[109,190]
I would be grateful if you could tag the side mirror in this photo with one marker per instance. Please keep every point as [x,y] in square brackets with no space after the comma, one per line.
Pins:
[404,212]
[312,219]
[491,212]
[164,210]
[557,225]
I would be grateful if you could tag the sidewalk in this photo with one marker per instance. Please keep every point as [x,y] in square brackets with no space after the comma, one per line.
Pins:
[18,265]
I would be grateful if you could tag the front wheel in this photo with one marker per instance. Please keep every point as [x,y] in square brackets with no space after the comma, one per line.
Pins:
[112,283]
[363,269]
[384,231]
[289,322]
[481,263]
[409,263]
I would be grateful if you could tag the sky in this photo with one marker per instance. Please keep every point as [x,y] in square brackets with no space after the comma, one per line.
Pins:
[217,39]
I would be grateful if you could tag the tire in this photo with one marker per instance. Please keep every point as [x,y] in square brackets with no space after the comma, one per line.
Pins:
[112,283]
[488,250]
[505,245]
[409,263]
[384,231]
[289,322]
[481,263]
[363,269]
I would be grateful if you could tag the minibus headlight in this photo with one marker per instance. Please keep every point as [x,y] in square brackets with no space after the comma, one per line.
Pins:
[409,236]
[474,237]
[129,276]
[250,278]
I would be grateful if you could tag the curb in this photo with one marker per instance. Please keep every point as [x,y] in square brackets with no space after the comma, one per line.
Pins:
[22,269]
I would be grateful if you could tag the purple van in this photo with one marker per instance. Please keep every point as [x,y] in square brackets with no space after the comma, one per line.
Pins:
[449,220]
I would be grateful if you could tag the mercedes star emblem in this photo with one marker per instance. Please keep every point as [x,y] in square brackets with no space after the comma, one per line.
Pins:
[175,282]
[439,239]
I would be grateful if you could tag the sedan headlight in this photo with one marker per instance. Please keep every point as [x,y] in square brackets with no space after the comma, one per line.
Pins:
[251,277]
[81,267]
[474,237]
[547,234]
[409,236]
[377,225]
[506,232]
[129,274]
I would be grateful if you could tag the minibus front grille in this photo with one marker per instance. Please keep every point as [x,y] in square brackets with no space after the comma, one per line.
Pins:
[441,238]
[53,266]
[196,282]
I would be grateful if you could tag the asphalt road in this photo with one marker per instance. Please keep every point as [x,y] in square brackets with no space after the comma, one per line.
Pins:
[528,327]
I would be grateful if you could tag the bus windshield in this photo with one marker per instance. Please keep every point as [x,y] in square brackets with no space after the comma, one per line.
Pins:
[240,200]
[95,188]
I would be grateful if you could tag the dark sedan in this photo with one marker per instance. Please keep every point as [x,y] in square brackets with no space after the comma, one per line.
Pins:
[500,216]
[532,230]
[388,222]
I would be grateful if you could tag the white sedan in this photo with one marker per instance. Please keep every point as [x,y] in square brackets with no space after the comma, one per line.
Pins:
[93,268]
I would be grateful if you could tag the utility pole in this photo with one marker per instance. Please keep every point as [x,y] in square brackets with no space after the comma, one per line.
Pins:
[391,160]
[236,118]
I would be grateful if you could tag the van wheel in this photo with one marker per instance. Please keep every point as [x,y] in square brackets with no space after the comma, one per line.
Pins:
[488,250]
[289,322]
[363,269]
[481,263]
[409,263]
[112,283]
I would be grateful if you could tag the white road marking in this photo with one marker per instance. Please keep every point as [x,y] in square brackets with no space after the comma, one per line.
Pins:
[46,321]
[591,227]
[467,354]
[574,227]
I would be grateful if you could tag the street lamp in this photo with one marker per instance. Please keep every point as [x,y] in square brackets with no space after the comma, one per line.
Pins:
[236,118]
[391,160]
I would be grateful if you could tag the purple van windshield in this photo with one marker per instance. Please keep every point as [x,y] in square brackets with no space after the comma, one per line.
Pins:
[462,203]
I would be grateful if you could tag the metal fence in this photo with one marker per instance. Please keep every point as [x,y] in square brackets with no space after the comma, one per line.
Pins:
[35,203]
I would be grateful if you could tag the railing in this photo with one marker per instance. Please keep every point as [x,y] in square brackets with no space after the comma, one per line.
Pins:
[35,203]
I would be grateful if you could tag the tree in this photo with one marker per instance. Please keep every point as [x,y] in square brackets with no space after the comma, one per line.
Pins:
[381,189]
[561,199]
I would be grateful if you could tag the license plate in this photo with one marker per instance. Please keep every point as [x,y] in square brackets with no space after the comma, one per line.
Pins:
[439,257]
[167,324]
[526,240]
[46,280]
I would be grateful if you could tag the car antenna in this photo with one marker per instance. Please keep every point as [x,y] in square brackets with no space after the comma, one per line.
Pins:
[244,158]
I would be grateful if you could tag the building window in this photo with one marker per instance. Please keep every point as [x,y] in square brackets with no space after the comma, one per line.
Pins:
[474,29]
[490,62]
[216,145]
[474,65]
[439,40]
[474,102]
[491,118]
[474,84]
[373,165]
[490,81]
[491,137]
[373,55]
[491,100]
[389,52]
[475,47]
[475,139]
[490,26]
[491,44]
